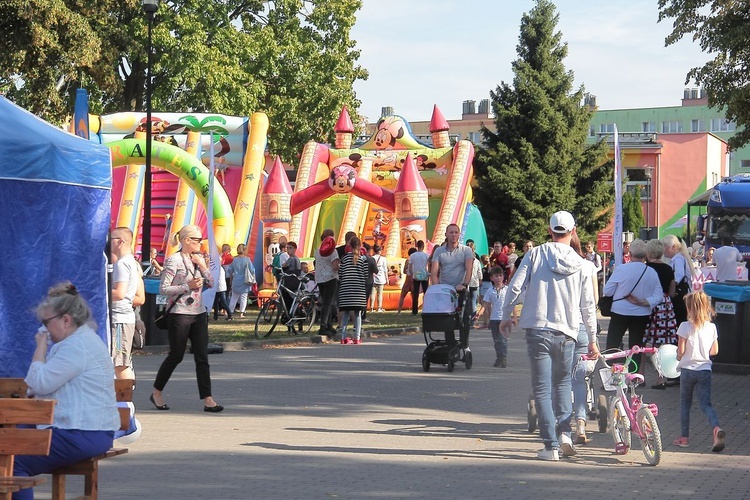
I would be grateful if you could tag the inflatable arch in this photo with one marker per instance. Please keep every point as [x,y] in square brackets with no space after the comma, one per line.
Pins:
[186,166]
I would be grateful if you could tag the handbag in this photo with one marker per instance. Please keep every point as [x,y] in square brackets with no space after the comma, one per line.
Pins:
[161,322]
[606,301]
[139,337]
[249,277]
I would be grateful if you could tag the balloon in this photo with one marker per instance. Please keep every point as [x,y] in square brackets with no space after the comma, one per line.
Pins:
[133,436]
[666,362]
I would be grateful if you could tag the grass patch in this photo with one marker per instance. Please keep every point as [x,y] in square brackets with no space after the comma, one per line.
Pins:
[243,329]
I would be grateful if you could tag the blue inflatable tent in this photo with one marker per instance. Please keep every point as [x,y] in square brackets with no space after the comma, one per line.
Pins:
[55,197]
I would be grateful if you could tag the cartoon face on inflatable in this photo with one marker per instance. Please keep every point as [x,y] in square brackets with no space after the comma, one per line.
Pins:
[389,129]
[273,249]
[342,178]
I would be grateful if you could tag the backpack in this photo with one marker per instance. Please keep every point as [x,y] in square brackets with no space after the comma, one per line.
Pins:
[276,265]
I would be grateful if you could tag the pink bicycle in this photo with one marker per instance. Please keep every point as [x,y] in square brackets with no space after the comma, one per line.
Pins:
[629,413]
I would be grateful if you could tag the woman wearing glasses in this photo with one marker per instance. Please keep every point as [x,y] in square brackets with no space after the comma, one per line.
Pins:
[184,276]
[78,373]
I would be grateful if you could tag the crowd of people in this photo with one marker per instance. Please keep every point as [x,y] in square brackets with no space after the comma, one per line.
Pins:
[559,284]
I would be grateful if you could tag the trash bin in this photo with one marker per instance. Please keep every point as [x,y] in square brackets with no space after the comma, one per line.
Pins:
[152,309]
[731,301]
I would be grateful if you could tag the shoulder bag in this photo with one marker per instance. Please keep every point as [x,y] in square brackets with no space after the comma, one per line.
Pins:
[249,276]
[606,301]
[161,321]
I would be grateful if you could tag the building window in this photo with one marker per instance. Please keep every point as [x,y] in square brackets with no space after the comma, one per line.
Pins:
[649,127]
[721,125]
[744,163]
[592,131]
[638,182]
[475,137]
[697,126]
[673,127]
[607,128]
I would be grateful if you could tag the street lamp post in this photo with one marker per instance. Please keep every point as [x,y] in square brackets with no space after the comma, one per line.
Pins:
[149,8]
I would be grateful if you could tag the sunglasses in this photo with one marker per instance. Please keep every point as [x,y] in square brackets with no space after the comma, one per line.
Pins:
[194,239]
[45,322]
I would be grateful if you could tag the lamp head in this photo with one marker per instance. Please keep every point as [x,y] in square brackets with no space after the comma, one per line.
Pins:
[150,6]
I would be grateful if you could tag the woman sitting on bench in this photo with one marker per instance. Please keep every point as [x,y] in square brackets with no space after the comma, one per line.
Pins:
[79,374]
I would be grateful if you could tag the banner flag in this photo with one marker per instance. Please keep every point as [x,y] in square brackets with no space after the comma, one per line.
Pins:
[617,231]
[81,114]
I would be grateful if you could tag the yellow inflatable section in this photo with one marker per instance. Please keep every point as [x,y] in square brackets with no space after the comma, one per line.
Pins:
[188,168]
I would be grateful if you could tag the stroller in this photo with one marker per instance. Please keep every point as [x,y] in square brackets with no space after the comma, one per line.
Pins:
[443,313]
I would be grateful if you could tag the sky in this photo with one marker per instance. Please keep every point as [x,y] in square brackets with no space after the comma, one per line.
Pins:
[425,52]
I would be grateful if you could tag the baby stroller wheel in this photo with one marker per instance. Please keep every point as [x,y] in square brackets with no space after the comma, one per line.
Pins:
[425,362]
[602,413]
[531,414]
[468,359]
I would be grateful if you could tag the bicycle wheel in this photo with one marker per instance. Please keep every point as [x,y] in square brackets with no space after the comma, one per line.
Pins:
[304,316]
[620,425]
[270,311]
[268,317]
[651,440]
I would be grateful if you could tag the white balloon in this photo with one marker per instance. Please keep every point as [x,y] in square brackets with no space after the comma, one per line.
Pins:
[133,436]
[666,362]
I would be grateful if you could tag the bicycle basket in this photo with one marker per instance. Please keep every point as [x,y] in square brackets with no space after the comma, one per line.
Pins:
[608,379]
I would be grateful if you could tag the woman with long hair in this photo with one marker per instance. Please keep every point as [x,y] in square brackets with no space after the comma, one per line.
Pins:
[184,276]
[352,291]
[681,263]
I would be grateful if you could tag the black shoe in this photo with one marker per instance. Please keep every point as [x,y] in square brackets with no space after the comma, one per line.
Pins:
[660,387]
[163,407]
[671,382]
[213,409]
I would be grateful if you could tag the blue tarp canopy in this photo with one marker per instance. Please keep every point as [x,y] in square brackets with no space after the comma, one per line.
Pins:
[55,197]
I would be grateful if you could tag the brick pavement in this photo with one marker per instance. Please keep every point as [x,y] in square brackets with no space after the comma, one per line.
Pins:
[365,422]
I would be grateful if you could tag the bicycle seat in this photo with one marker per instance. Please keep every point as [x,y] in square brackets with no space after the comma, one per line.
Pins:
[635,378]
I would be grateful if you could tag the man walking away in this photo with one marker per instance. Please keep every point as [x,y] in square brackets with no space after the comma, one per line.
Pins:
[557,293]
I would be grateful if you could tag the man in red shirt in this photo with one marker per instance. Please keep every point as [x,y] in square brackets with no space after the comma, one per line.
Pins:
[498,257]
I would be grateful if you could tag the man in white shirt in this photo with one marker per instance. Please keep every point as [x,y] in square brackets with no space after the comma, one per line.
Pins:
[726,258]
[127,292]
[420,275]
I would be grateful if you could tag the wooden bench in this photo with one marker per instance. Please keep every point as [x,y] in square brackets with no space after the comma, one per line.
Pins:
[19,410]
[89,468]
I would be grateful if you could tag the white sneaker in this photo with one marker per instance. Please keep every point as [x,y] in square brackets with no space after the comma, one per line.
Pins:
[551,455]
[566,445]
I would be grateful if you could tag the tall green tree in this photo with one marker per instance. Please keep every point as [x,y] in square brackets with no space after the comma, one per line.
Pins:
[632,212]
[537,161]
[722,28]
[293,59]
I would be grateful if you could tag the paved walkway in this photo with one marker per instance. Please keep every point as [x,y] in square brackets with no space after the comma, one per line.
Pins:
[365,422]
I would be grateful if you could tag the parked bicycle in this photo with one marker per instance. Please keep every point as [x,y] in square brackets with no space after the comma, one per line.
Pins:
[627,410]
[299,317]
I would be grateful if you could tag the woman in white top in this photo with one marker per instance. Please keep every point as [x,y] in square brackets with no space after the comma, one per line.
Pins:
[676,250]
[79,374]
[636,290]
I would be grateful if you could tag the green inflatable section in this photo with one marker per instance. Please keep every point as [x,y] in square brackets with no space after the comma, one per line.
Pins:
[475,230]
[185,166]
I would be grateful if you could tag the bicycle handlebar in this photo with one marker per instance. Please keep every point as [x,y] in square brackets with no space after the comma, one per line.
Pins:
[624,354]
